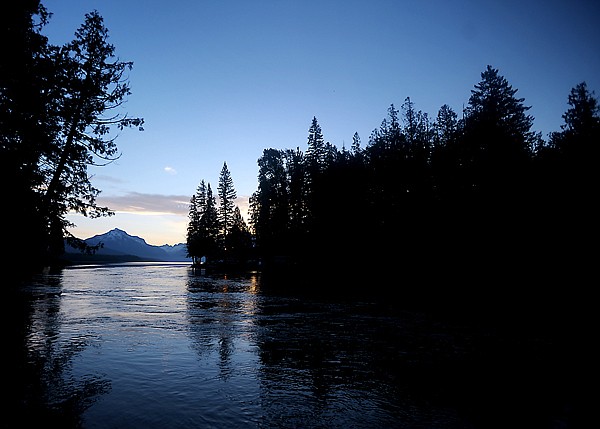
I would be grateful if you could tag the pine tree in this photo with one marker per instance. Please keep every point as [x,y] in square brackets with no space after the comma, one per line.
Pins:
[445,126]
[227,196]
[239,241]
[355,148]
[193,230]
[66,92]
[28,124]
[270,203]
[582,122]
[316,152]
[497,143]
[210,226]
[201,198]
[93,84]
[296,197]
[204,228]
[494,107]
[575,150]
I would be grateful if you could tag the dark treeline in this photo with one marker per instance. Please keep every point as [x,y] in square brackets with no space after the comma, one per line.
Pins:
[477,199]
[59,108]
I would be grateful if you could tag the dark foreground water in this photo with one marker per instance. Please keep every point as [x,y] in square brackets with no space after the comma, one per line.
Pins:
[166,346]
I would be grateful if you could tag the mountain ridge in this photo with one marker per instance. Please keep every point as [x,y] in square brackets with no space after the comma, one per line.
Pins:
[118,245]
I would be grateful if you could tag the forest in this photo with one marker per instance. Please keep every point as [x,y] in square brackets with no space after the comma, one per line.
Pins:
[465,198]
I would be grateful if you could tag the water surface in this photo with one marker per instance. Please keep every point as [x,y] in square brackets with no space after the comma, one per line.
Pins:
[166,346]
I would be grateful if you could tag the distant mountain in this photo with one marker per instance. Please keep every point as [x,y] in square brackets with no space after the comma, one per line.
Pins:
[118,245]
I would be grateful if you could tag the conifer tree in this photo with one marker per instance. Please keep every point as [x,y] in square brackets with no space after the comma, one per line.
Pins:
[497,142]
[203,231]
[269,205]
[355,148]
[493,105]
[581,123]
[193,229]
[316,152]
[239,240]
[201,198]
[70,94]
[227,196]
[210,226]
[297,191]
[575,151]
[445,126]
[28,124]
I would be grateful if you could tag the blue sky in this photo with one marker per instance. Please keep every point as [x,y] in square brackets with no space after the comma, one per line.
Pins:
[220,81]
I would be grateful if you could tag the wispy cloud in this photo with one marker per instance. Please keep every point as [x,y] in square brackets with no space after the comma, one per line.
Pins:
[157,204]
[148,204]
[170,170]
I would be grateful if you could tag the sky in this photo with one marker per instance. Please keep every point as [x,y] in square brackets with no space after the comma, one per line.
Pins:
[219,81]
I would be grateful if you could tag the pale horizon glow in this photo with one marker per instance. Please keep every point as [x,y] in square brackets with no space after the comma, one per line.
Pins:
[222,81]
[139,215]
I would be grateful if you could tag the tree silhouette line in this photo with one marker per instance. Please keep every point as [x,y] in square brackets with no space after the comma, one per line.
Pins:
[481,196]
[216,233]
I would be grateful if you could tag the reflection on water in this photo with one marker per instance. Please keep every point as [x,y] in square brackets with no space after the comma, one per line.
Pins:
[163,345]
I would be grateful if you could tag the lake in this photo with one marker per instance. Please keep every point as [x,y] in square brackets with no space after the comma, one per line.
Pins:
[163,345]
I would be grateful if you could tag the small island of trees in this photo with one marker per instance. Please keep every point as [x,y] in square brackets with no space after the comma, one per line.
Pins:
[217,235]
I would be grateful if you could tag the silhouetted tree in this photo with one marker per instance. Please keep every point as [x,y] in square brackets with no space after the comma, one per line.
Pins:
[239,240]
[197,228]
[270,206]
[28,124]
[227,196]
[296,170]
[94,84]
[571,159]
[445,126]
[316,153]
[579,135]
[209,229]
[192,229]
[498,141]
[54,122]
[355,148]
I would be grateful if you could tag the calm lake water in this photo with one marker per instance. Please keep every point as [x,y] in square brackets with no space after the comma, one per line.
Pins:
[166,346]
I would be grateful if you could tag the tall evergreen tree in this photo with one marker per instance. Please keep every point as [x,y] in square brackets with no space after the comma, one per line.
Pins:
[201,197]
[494,106]
[445,126]
[239,240]
[497,143]
[575,151]
[270,204]
[355,148]
[297,191]
[66,92]
[316,153]
[204,228]
[227,196]
[193,229]
[94,84]
[210,227]
[28,124]
[581,123]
